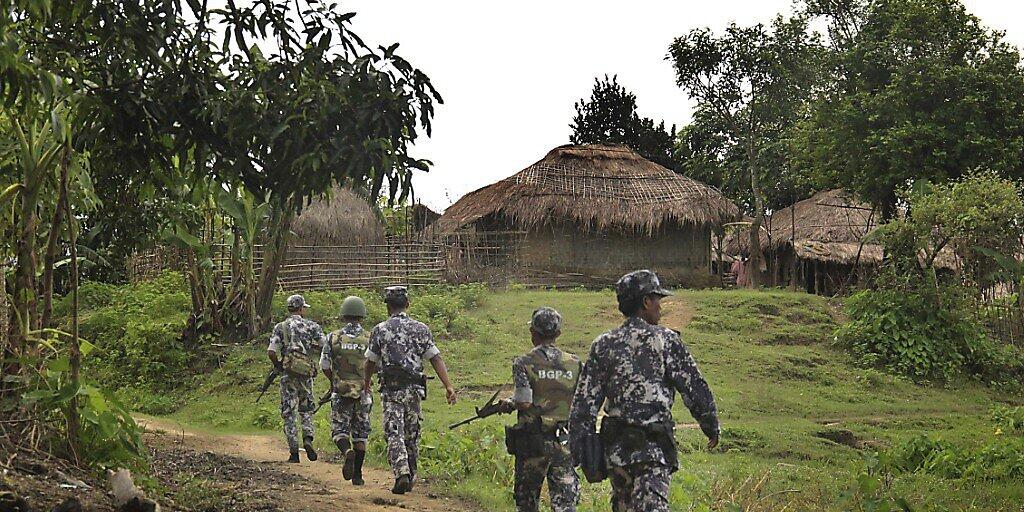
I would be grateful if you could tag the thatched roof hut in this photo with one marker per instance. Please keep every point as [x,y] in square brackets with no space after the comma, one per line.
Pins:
[604,187]
[343,218]
[599,210]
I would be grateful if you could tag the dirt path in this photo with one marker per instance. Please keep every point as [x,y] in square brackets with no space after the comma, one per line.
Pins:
[676,313]
[322,488]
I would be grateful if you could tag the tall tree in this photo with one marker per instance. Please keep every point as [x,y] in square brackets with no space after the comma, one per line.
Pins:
[923,91]
[751,85]
[610,117]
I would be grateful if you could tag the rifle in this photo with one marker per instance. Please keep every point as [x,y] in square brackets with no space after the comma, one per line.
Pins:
[324,399]
[266,383]
[489,409]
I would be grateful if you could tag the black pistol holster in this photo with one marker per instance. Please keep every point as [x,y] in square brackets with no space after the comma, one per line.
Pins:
[525,440]
[591,458]
[635,437]
[394,378]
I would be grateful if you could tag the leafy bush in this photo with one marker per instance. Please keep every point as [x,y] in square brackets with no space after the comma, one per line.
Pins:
[137,329]
[925,332]
[996,460]
[1009,421]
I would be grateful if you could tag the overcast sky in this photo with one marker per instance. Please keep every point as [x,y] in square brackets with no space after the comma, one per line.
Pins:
[511,71]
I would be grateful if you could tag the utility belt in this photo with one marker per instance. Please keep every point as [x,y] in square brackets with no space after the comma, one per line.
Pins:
[527,439]
[396,378]
[632,438]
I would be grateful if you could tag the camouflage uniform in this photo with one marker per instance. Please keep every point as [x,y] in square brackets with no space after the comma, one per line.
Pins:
[401,344]
[634,371]
[344,354]
[545,377]
[296,393]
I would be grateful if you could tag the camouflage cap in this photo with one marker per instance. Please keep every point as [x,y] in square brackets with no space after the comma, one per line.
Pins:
[395,293]
[639,283]
[296,302]
[547,322]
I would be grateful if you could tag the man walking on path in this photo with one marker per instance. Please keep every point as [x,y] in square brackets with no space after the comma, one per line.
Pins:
[634,372]
[342,360]
[293,343]
[397,348]
[545,378]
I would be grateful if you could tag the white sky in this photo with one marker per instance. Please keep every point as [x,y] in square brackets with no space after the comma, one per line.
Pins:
[510,72]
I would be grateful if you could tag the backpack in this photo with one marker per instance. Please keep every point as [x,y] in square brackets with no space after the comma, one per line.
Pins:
[295,362]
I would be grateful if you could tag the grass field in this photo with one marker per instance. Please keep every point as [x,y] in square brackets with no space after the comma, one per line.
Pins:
[800,419]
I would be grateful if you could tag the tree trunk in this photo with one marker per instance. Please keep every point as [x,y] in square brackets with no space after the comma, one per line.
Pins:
[75,355]
[754,266]
[25,300]
[52,239]
[274,253]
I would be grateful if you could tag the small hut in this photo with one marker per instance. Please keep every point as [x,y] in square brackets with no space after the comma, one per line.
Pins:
[589,213]
[344,218]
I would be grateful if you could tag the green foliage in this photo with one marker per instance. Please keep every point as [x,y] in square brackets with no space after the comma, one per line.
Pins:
[1009,420]
[998,459]
[610,117]
[927,332]
[138,329]
[922,90]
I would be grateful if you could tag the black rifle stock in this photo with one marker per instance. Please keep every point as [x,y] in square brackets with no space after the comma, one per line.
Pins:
[266,383]
[489,409]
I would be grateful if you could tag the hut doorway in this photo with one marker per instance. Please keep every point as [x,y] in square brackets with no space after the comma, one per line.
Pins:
[810,276]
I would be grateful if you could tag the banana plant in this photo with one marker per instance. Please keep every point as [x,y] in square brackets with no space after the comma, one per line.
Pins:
[249,216]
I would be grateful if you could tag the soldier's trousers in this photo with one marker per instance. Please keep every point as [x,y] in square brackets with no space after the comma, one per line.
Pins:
[402,418]
[556,466]
[640,487]
[297,404]
[350,419]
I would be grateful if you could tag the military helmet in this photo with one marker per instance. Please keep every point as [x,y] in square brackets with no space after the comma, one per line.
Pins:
[353,306]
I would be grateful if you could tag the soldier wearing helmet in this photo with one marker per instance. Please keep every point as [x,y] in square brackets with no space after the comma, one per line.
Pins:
[634,371]
[545,378]
[342,360]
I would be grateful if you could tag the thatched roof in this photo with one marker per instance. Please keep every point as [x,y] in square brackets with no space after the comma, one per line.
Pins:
[345,218]
[830,226]
[605,187]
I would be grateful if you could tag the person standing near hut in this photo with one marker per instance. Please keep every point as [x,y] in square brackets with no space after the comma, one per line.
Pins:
[545,378]
[634,372]
[291,349]
[342,360]
[397,348]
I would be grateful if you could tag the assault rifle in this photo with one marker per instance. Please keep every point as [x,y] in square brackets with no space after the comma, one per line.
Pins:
[324,399]
[271,377]
[490,408]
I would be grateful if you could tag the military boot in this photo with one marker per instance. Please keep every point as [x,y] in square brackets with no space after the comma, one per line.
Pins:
[401,485]
[412,472]
[307,443]
[357,475]
[294,458]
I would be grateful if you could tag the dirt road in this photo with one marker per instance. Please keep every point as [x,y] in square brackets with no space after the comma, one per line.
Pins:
[309,486]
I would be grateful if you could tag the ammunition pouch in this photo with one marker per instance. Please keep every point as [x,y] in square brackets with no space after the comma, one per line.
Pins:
[394,378]
[525,441]
[633,438]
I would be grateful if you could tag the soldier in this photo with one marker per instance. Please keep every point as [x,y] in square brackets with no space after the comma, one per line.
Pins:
[545,378]
[342,360]
[292,345]
[634,372]
[398,347]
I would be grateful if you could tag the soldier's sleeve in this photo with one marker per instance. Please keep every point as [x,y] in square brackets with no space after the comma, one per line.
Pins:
[524,391]
[589,397]
[373,351]
[687,379]
[319,338]
[428,349]
[325,354]
[275,340]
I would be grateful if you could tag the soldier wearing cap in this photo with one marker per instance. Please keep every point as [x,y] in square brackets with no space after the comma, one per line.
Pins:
[398,347]
[545,378]
[342,360]
[634,372]
[293,343]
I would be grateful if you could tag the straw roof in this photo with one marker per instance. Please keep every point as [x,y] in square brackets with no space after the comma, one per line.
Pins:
[605,187]
[345,218]
[830,226]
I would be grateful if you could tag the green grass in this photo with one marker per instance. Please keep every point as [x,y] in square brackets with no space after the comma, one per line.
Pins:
[783,390]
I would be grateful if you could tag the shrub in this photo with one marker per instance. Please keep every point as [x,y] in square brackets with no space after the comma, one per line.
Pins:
[925,332]
[999,459]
